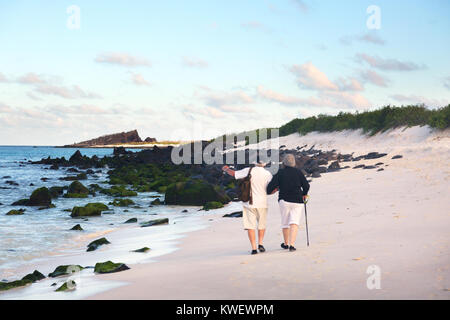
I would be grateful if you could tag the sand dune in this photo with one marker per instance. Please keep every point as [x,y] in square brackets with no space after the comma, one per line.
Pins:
[396,220]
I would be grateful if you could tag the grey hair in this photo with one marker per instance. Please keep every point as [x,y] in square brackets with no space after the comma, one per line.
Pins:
[289,160]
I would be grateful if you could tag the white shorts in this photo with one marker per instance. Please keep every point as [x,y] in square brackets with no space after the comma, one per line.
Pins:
[254,218]
[291,213]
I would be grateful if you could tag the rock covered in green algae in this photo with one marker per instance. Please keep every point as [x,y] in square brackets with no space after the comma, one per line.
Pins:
[91,209]
[39,197]
[77,227]
[155,222]
[13,284]
[194,192]
[15,212]
[119,191]
[212,205]
[67,286]
[143,250]
[94,245]
[65,270]
[33,277]
[110,267]
[237,214]
[122,202]
[132,220]
[76,190]
[56,191]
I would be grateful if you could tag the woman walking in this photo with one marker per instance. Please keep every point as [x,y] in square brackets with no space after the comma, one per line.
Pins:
[293,190]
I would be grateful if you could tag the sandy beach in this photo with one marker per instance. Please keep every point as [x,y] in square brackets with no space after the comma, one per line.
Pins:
[396,220]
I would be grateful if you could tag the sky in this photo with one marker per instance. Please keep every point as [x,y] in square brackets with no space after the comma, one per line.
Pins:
[75,70]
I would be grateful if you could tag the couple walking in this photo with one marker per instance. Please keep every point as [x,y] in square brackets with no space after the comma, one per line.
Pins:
[293,189]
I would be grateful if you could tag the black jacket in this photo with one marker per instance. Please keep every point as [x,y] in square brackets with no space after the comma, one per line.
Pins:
[291,183]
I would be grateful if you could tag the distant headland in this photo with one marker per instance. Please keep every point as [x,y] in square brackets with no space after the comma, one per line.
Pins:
[130,139]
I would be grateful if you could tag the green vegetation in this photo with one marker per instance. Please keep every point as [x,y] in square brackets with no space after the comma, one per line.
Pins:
[371,121]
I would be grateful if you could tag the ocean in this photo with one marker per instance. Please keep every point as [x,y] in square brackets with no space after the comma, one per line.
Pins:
[37,237]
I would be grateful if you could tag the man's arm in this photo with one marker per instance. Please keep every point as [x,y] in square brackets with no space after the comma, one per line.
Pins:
[273,185]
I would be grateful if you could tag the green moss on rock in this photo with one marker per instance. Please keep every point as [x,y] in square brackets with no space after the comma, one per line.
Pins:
[155,222]
[67,286]
[212,205]
[91,209]
[94,245]
[77,227]
[13,284]
[122,202]
[142,250]
[15,212]
[194,192]
[33,277]
[132,220]
[109,267]
[64,270]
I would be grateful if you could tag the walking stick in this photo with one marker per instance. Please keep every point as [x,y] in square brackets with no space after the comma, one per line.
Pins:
[306,221]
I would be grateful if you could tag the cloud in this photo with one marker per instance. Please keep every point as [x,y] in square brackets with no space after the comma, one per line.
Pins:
[387,64]
[139,80]
[3,78]
[73,92]
[447,83]
[122,59]
[301,5]
[209,112]
[194,62]
[270,95]
[5,108]
[33,97]
[369,37]
[255,25]
[349,84]
[414,99]
[309,77]
[372,77]
[31,78]
[221,99]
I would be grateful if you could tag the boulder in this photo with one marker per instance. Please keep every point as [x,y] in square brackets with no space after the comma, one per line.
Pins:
[237,214]
[64,270]
[334,166]
[398,156]
[77,227]
[109,267]
[77,190]
[91,209]
[142,250]
[13,284]
[156,202]
[94,245]
[132,220]
[56,191]
[194,192]
[67,286]
[40,197]
[122,202]
[155,222]
[33,277]
[15,212]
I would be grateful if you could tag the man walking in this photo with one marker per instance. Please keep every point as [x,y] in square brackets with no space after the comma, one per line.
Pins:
[254,214]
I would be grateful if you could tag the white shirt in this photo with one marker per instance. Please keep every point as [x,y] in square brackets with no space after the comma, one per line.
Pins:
[258,183]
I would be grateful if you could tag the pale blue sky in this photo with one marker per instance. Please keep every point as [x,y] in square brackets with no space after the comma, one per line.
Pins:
[196,69]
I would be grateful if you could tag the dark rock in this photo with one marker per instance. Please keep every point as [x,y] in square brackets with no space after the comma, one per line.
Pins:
[15,212]
[54,167]
[379,163]
[369,167]
[397,156]
[156,202]
[116,138]
[6,177]
[11,183]
[119,150]
[109,267]
[155,222]
[212,205]
[144,249]
[381,169]
[374,155]
[150,140]
[94,245]
[91,209]
[184,211]
[40,197]
[334,166]
[67,286]
[77,227]
[316,174]
[237,214]
[77,190]
[65,270]
[132,220]
[56,191]
[33,277]
[13,284]
[358,166]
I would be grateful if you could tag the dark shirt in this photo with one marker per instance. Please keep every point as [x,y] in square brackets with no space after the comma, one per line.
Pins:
[291,183]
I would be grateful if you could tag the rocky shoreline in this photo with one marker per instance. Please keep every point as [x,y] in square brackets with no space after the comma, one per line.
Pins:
[152,170]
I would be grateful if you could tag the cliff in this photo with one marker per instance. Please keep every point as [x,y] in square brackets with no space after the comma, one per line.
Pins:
[116,138]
